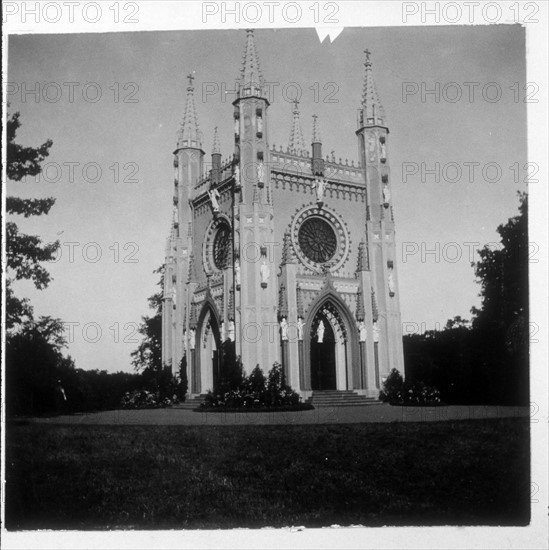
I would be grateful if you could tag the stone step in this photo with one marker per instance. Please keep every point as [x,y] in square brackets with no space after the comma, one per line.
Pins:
[339,398]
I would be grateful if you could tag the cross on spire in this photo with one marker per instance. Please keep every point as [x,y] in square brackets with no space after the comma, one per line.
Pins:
[191,77]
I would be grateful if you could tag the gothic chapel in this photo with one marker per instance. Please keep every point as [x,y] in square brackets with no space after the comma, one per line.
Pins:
[287,255]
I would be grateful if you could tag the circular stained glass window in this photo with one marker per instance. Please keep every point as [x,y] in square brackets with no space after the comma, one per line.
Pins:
[317,240]
[222,247]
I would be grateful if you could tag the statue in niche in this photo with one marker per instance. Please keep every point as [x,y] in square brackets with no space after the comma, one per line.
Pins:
[386,195]
[362,331]
[173,295]
[284,329]
[375,332]
[391,283]
[231,330]
[236,127]
[260,124]
[300,327]
[237,175]
[383,150]
[260,172]
[265,273]
[320,186]
[214,197]
[320,332]
[237,272]
[192,338]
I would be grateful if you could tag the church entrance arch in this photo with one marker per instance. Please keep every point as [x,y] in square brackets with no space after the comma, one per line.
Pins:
[210,353]
[330,348]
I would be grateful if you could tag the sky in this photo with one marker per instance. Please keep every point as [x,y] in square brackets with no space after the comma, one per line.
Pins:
[116,227]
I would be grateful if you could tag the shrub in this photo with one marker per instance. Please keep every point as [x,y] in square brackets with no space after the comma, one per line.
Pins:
[397,392]
[256,391]
[143,399]
[393,387]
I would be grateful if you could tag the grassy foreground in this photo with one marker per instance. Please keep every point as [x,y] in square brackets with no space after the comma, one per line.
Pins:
[179,477]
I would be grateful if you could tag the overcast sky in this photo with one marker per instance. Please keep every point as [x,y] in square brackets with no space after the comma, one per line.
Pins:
[129,220]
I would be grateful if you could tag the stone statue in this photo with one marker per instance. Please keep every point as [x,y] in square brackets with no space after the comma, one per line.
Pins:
[223,331]
[237,272]
[214,197]
[386,195]
[300,327]
[284,329]
[391,282]
[320,332]
[320,185]
[265,272]
[173,295]
[237,126]
[260,124]
[231,331]
[192,337]
[362,331]
[237,174]
[375,331]
[260,171]
[383,150]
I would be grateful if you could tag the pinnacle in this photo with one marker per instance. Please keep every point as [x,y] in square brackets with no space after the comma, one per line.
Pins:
[371,105]
[189,132]
[216,147]
[296,142]
[250,73]
[316,130]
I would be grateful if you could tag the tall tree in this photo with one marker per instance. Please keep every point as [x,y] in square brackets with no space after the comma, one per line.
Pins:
[148,355]
[25,253]
[501,324]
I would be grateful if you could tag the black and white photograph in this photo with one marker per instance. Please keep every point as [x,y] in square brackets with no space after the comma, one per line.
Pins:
[274,275]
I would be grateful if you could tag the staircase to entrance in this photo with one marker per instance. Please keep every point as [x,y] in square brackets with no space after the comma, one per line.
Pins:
[339,398]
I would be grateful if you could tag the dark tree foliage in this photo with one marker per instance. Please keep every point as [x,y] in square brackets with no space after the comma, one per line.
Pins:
[485,361]
[148,355]
[23,161]
[25,253]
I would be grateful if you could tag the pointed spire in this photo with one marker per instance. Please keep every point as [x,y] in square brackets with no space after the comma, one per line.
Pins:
[297,143]
[372,109]
[216,147]
[189,132]
[316,130]
[251,77]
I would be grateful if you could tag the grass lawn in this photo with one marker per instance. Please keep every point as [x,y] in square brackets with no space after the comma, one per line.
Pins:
[189,477]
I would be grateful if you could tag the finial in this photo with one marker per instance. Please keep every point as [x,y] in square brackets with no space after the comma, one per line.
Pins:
[216,148]
[191,78]
[316,130]
[296,141]
[367,62]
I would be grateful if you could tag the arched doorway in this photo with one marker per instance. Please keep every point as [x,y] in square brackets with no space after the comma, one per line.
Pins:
[330,351]
[210,354]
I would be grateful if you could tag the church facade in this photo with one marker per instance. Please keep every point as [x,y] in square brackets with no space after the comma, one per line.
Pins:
[285,254]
